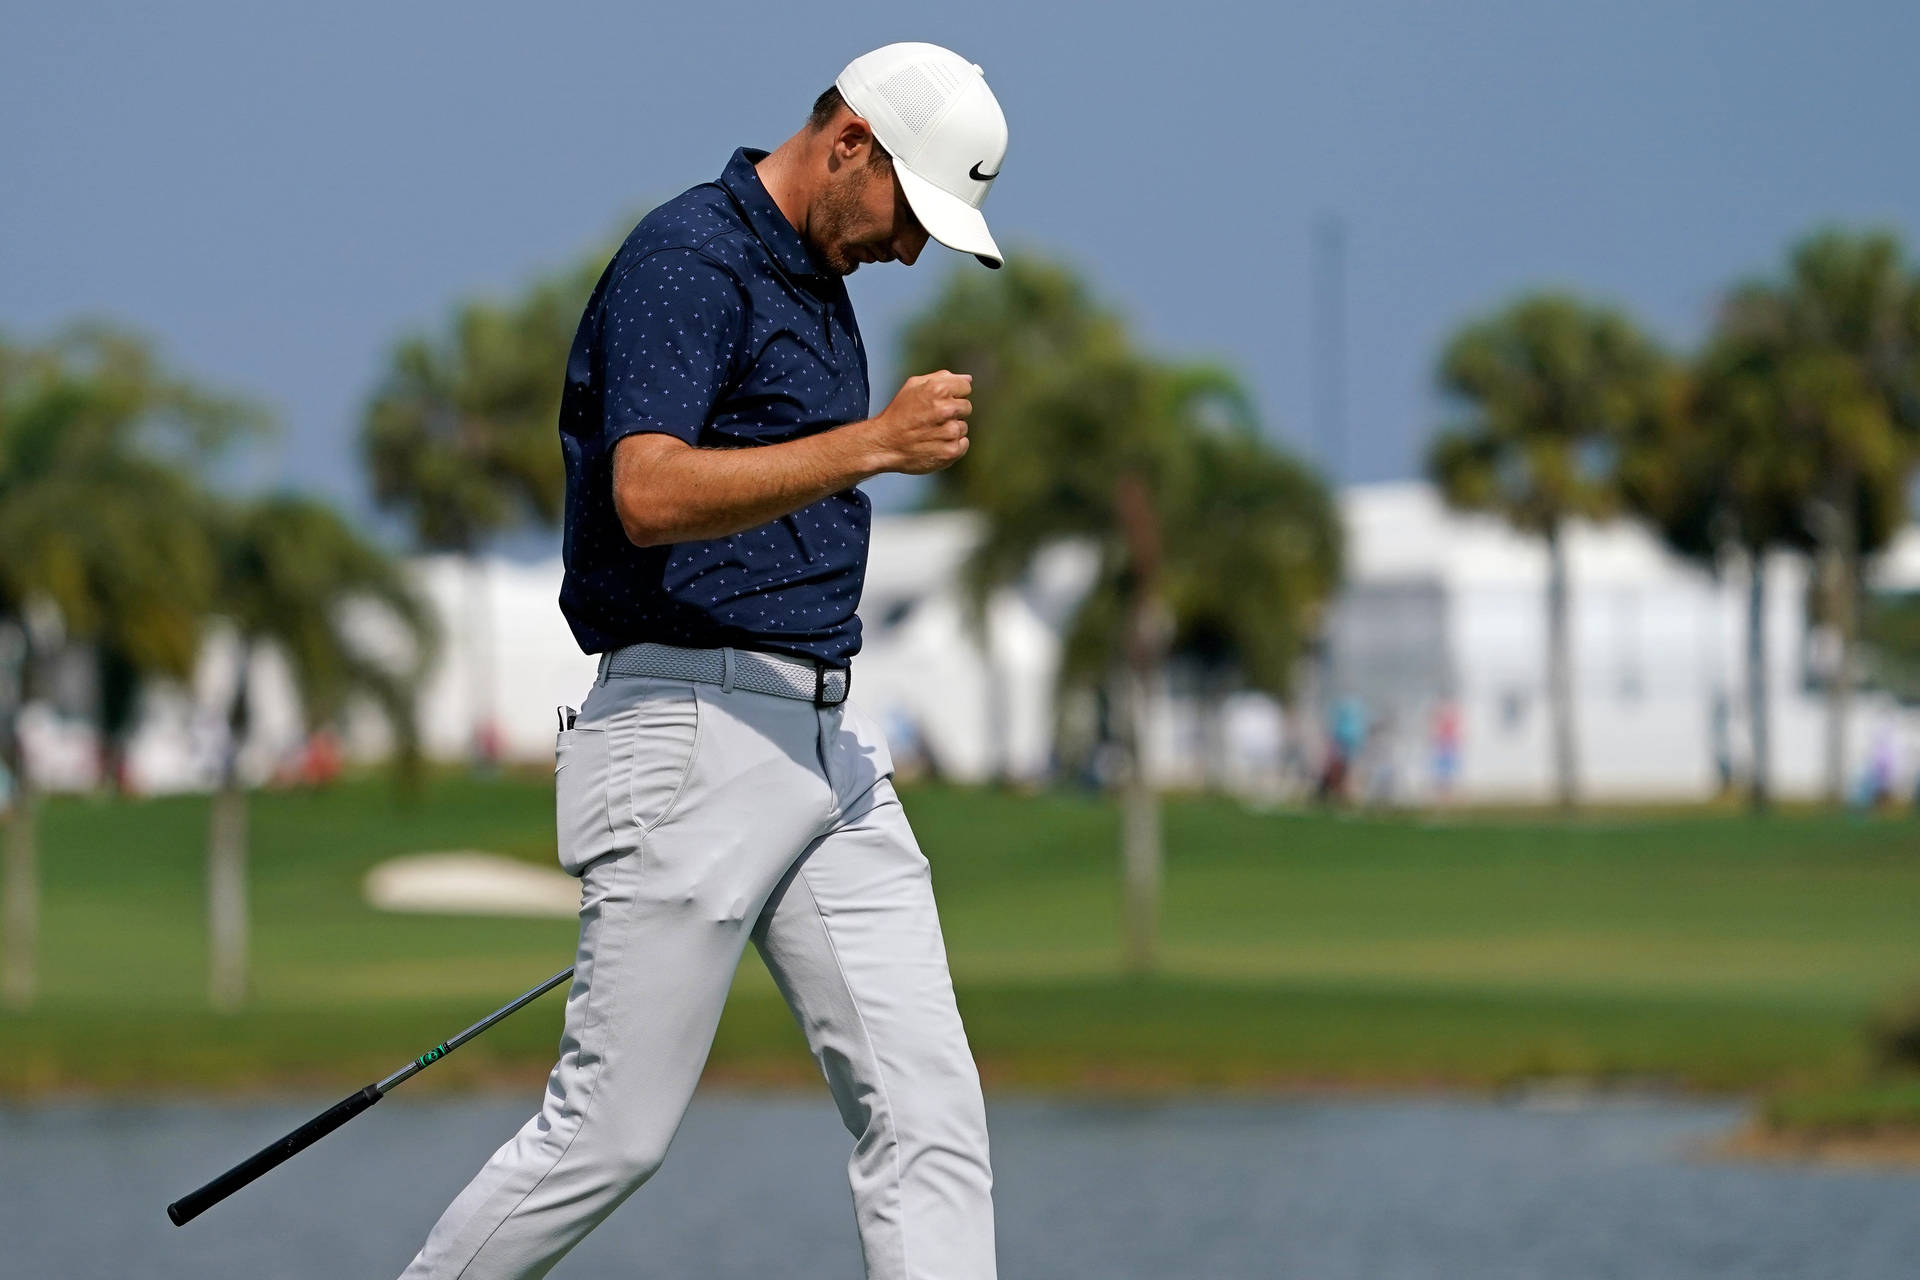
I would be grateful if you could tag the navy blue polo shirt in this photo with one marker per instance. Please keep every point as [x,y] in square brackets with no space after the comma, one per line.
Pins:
[715,324]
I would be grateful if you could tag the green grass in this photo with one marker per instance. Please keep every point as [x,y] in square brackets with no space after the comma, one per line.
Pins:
[1702,950]
[1861,1108]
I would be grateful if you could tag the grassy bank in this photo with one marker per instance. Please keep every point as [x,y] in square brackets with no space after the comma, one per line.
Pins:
[1859,1109]
[1702,951]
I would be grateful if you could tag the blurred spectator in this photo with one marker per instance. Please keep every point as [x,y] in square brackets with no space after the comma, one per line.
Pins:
[1720,717]
[1348,736]
[1876,782]
[1378,776]
[488,745]
[320,761]
[1446,747]
[912,754]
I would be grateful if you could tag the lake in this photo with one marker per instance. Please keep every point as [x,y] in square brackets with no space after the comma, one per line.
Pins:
[1348,1189]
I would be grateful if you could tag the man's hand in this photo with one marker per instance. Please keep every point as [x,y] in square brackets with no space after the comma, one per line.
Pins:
[925,428]
[665,490]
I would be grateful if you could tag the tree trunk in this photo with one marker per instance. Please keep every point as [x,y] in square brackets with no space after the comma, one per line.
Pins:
[1141,855]
[1560,674]
[998,704]
[22,887]
[1145,644]
[1309,725]
[1759,793]
[20,876]
[227,898]
[1837,534]
[485,744]
[1840,704]
[227,857]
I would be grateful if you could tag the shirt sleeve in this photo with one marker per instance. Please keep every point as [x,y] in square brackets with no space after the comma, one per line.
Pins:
[671,330]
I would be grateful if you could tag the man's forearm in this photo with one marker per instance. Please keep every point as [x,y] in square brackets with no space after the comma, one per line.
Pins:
[668,491]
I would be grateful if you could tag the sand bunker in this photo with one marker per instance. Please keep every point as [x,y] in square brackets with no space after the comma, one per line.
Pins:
[468,882]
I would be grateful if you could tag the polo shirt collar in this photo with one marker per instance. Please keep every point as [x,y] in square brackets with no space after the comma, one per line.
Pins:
[783,241]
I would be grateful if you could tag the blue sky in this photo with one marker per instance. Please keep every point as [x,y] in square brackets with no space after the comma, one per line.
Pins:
[277,194]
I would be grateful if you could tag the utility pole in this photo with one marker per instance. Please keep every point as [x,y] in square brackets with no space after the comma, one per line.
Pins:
[1328,380]
[1330,346]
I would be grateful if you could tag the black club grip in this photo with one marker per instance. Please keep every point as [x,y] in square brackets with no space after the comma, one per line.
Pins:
[192,1205]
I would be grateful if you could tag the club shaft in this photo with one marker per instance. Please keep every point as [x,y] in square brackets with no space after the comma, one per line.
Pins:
[446,1047]
[192,1205]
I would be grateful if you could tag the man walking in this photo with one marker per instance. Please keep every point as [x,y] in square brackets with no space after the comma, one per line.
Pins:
[717,785]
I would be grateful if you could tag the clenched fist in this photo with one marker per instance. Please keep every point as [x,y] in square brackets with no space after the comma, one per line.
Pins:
[925,428]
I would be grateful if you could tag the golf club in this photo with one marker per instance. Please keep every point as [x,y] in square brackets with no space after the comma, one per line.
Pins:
[192,1205]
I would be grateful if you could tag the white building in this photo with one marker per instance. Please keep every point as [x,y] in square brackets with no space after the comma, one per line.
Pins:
[1444,606]
[1439,609]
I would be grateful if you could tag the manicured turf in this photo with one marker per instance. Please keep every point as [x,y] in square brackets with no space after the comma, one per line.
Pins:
[1702,950]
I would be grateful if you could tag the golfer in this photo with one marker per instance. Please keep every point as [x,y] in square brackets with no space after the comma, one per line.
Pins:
[717,785]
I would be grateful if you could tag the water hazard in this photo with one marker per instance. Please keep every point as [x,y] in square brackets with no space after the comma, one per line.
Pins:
[1365,1189]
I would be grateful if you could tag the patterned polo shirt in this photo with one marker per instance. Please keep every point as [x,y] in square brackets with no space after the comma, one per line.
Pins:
[714,324]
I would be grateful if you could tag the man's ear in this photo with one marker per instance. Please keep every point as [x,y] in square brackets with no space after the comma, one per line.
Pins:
[853,140]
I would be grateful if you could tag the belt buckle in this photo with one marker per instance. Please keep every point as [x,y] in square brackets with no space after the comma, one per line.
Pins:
[820,670]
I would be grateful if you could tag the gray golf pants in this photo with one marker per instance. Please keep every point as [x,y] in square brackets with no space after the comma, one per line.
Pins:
[698,816]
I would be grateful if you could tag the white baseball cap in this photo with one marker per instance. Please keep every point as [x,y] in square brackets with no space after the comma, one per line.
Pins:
[932,110]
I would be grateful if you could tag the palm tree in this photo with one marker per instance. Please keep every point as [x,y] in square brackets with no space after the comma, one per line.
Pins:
[1835,350]
[99,543]
[1103,459]
[1013,332]
[295,578]
[1890,637]
[459,436]
[1204,537]
[1551,387]
[1253,562]
[1717,474]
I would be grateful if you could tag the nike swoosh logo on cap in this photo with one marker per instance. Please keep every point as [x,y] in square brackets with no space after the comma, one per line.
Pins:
[978,176]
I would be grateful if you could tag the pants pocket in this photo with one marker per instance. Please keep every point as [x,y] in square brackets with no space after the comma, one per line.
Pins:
[583,818]
[651,753]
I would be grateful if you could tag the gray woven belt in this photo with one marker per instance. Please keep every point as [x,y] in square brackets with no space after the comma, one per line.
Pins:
[773,673]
